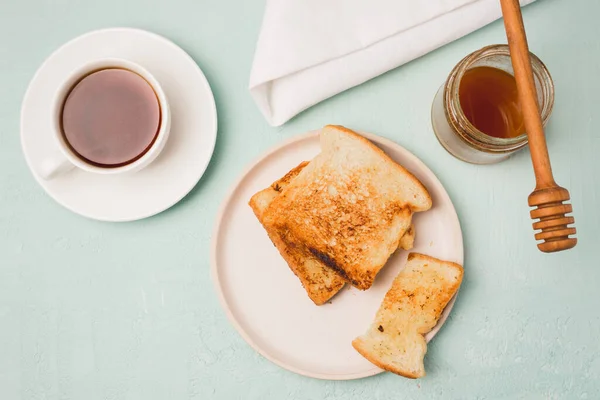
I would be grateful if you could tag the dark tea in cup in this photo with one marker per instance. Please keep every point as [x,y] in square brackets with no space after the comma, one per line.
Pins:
[111,117]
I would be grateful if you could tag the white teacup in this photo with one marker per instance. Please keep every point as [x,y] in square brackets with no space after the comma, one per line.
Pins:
[65,159]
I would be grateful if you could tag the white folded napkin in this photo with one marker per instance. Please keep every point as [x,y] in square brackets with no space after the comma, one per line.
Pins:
[309,50]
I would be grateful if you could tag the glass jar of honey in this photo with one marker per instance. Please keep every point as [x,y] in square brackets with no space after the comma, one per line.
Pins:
[476,114]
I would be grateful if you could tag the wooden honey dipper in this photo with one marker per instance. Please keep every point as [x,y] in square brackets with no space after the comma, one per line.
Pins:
[548,197]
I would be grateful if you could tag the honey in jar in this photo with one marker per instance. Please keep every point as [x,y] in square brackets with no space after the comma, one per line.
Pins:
[476,114]
[489,99]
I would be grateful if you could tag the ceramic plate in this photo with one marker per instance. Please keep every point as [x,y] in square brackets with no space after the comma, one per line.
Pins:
[181,163]
[266,302]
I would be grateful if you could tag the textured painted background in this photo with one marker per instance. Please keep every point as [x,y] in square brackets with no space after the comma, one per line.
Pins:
[92,310]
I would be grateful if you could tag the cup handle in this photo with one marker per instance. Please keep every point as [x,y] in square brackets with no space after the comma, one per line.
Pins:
[54,165]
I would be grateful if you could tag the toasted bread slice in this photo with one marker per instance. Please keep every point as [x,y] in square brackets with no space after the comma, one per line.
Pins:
[320,284]
[410,309]
[349,207]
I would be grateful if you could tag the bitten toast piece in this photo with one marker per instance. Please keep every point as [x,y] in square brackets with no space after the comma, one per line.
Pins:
[410,309]
[317,279]
[349,207]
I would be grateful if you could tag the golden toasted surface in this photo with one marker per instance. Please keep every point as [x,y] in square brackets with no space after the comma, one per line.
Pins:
[320,283]
[410,309]
[423,289]
[281,183]
[349,207]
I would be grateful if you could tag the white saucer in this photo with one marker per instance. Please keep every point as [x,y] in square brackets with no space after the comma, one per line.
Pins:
[179,166]
[266,302]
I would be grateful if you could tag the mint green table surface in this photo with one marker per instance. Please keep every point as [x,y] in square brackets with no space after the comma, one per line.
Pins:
[92,310]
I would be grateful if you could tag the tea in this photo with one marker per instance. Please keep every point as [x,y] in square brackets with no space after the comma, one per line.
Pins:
[490,101]
[111,117]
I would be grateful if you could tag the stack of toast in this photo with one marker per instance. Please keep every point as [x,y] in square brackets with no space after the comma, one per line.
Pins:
[338,218]
[319,281]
